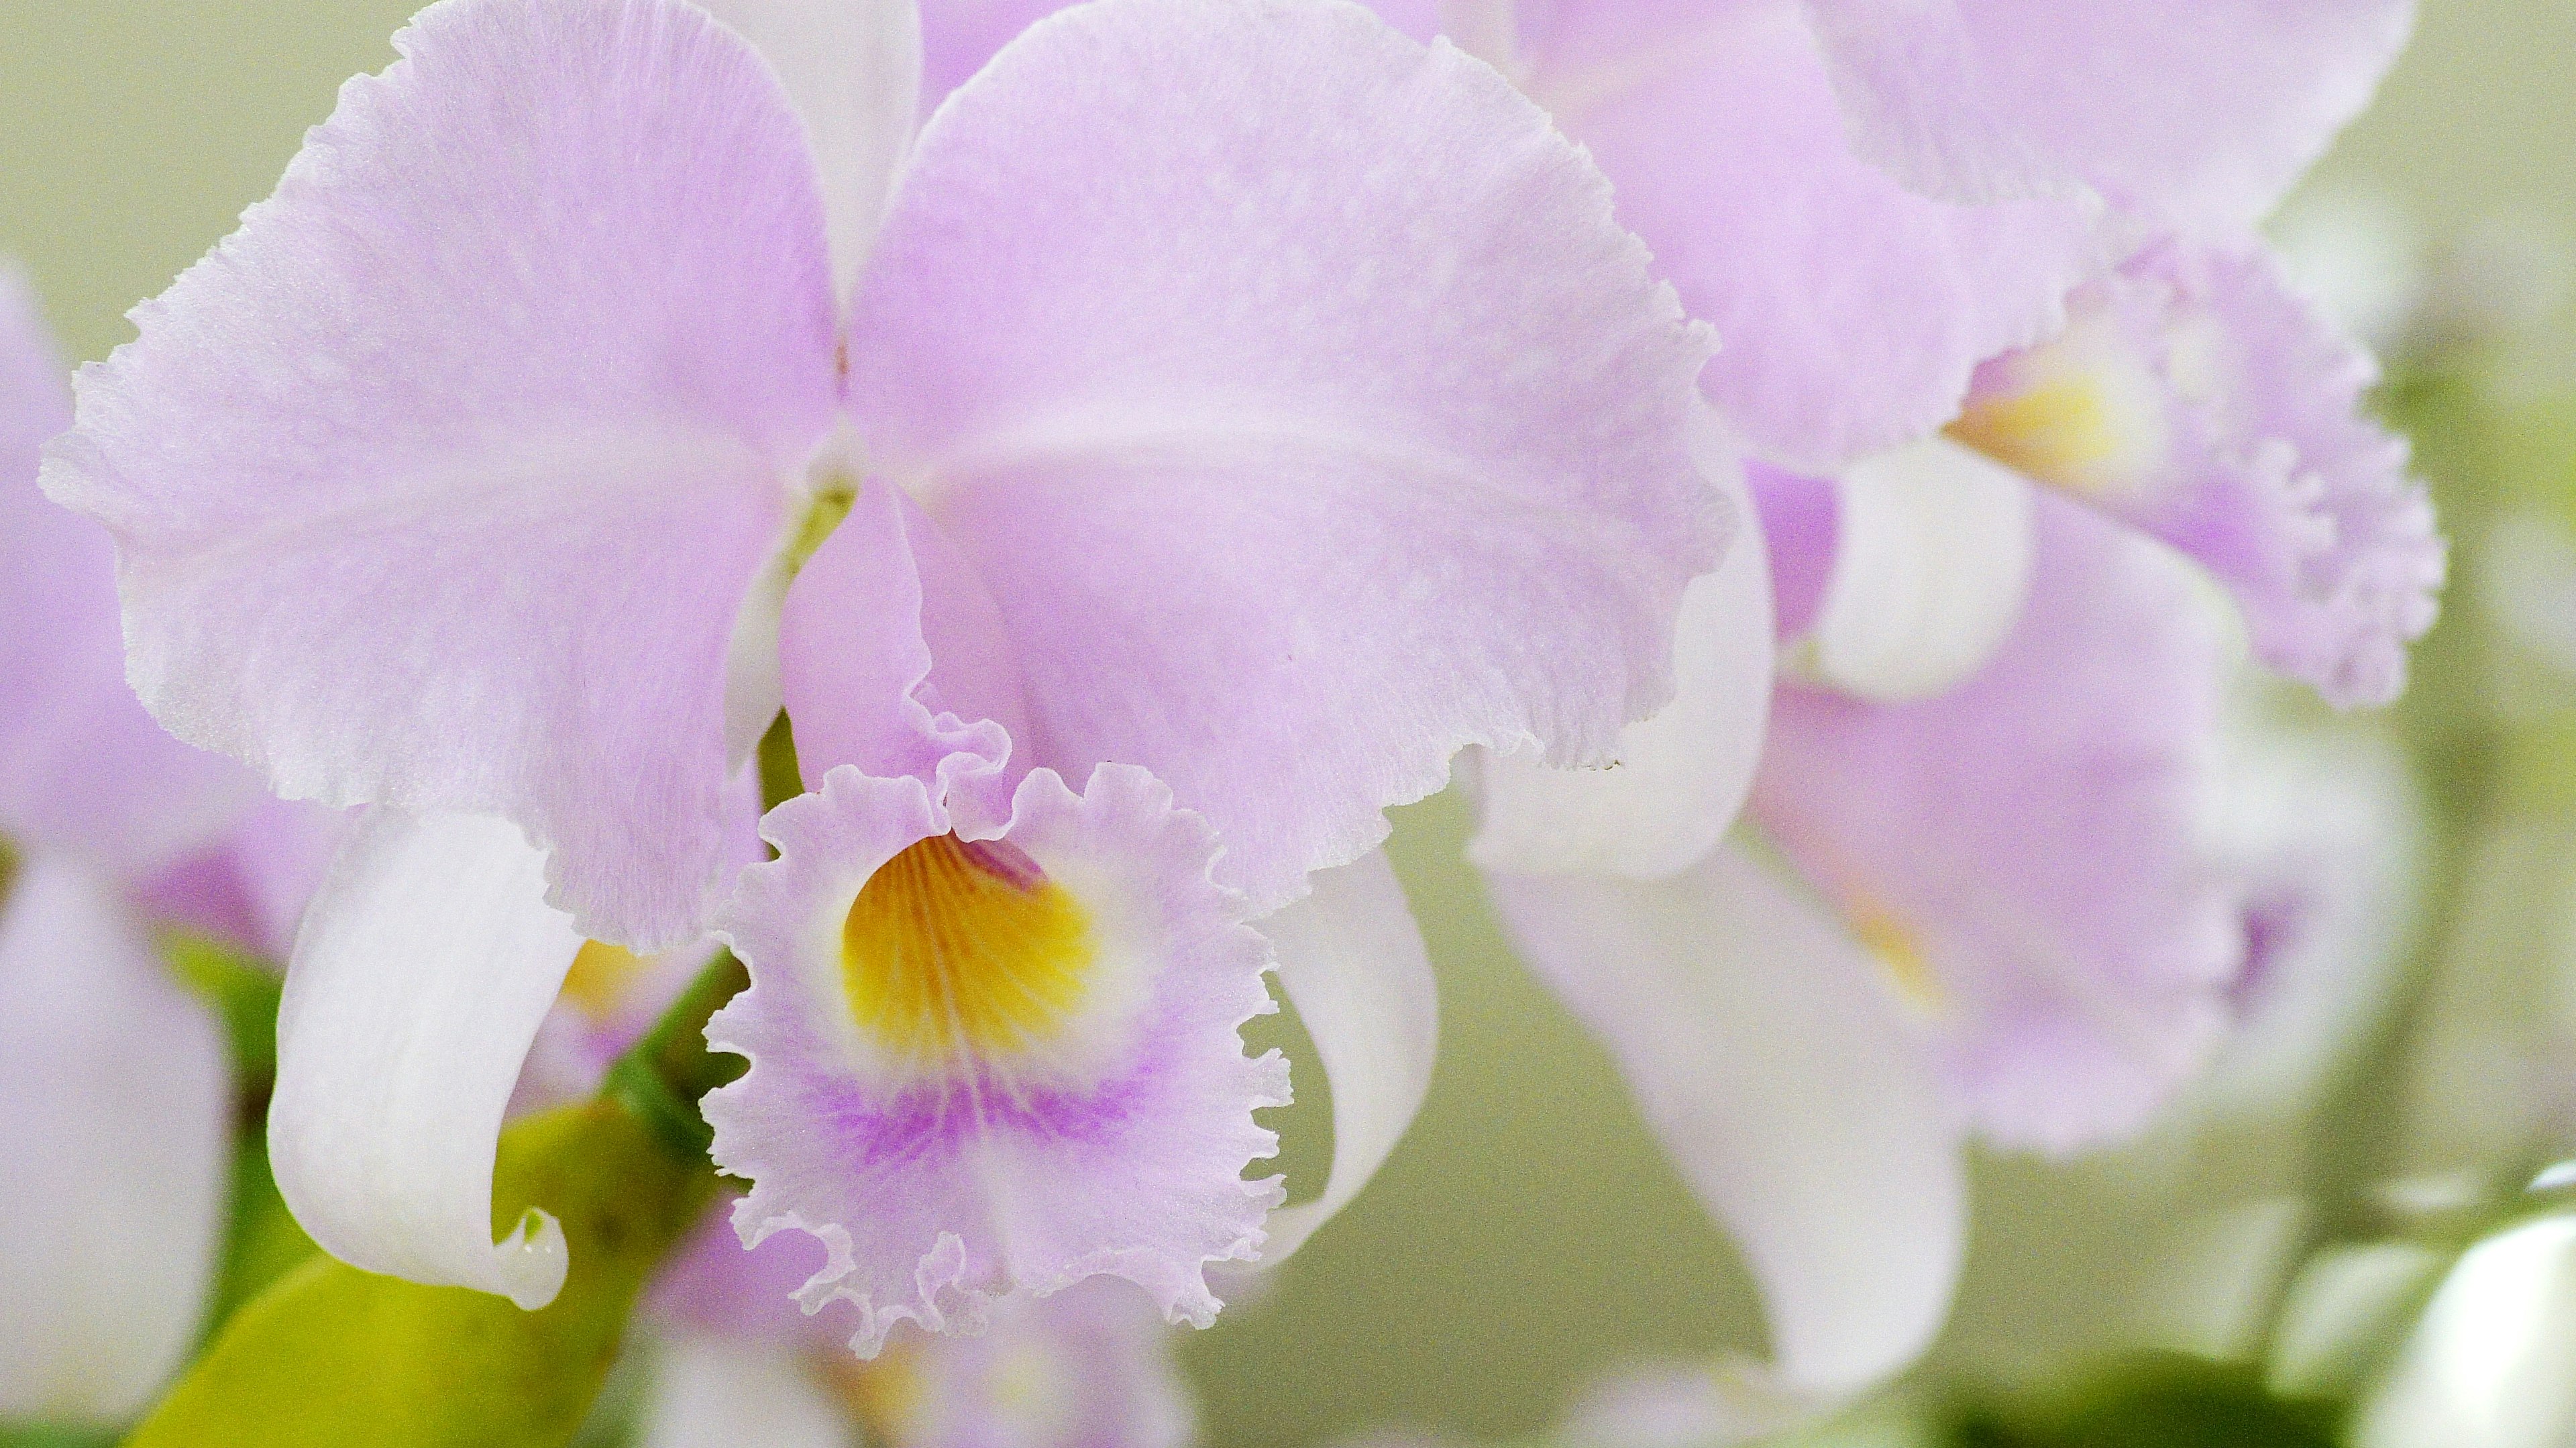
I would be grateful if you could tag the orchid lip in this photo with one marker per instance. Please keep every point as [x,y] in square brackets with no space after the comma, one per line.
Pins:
[956,951]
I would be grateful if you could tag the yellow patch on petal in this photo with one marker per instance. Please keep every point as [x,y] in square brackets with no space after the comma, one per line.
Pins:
[1900,956]
[2079,414]
[886,1394]
[954,950]
[600,976]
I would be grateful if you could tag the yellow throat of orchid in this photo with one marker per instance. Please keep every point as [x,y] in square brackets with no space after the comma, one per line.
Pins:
[1900,958]
[955,950]
[600,978]
[2082,414]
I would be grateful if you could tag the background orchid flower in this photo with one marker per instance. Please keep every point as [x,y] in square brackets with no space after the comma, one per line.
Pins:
[116,1101]
[1992,913]
[1089,1368]
[2197,398]
[1274,448]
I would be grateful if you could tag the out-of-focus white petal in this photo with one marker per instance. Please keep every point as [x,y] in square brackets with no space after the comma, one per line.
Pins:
[114,1109]
[716,1392]
[425,965]
[2325,828]
[2487,1366]
[1773,1064]
[1933,565]
[1678,778]
[1353,964]
[852,70]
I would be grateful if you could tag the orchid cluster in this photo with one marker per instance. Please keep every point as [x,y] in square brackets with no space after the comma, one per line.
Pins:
[969,513]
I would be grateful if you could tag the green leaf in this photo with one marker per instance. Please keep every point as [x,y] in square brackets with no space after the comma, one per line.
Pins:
[54,1436]
[330,1355]
[2152,1401]
[330,1348]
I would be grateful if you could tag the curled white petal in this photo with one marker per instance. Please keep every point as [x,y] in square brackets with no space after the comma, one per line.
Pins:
[1353,964]
[425,965]
[114,1112]
[1930,572]
[1774,1067]
[2487,1364]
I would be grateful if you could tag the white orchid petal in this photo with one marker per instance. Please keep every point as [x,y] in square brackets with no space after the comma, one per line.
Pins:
[1353,964]
[115,1107]
[1680,776]
[1930,572]
[425,965]
[1773,1064]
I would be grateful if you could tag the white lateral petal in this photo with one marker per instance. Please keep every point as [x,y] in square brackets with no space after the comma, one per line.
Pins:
[1681,776]
[1774,1067]
[718,1392]
[1353,964]
[1929,577]
[852,70]
[425,965]
[114,1112]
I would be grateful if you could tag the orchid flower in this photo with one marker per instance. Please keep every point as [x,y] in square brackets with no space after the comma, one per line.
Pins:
[1988,914]
[117,1094]
[1871,200]
[603,375]
[735,1360]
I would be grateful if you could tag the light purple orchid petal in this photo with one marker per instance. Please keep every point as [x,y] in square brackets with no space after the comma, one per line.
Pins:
[420,977]
[1931,567]
[1852,309]
[1787,1087]
[441,482]
[2023,854]
[714,1286]
[1353,964]
[852,69]
[1676,780]
[719,1392]
[892,653]
[2197,398]
[959,36]
[118,1110]
[2200,112]
[1063,1094]
[250,890]
[1308,422]
[82,768]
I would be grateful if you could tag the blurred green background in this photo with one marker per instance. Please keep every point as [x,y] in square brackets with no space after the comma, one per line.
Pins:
[1527,1234]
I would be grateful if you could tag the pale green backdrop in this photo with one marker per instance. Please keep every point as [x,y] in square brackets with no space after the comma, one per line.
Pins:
[1527,1233]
